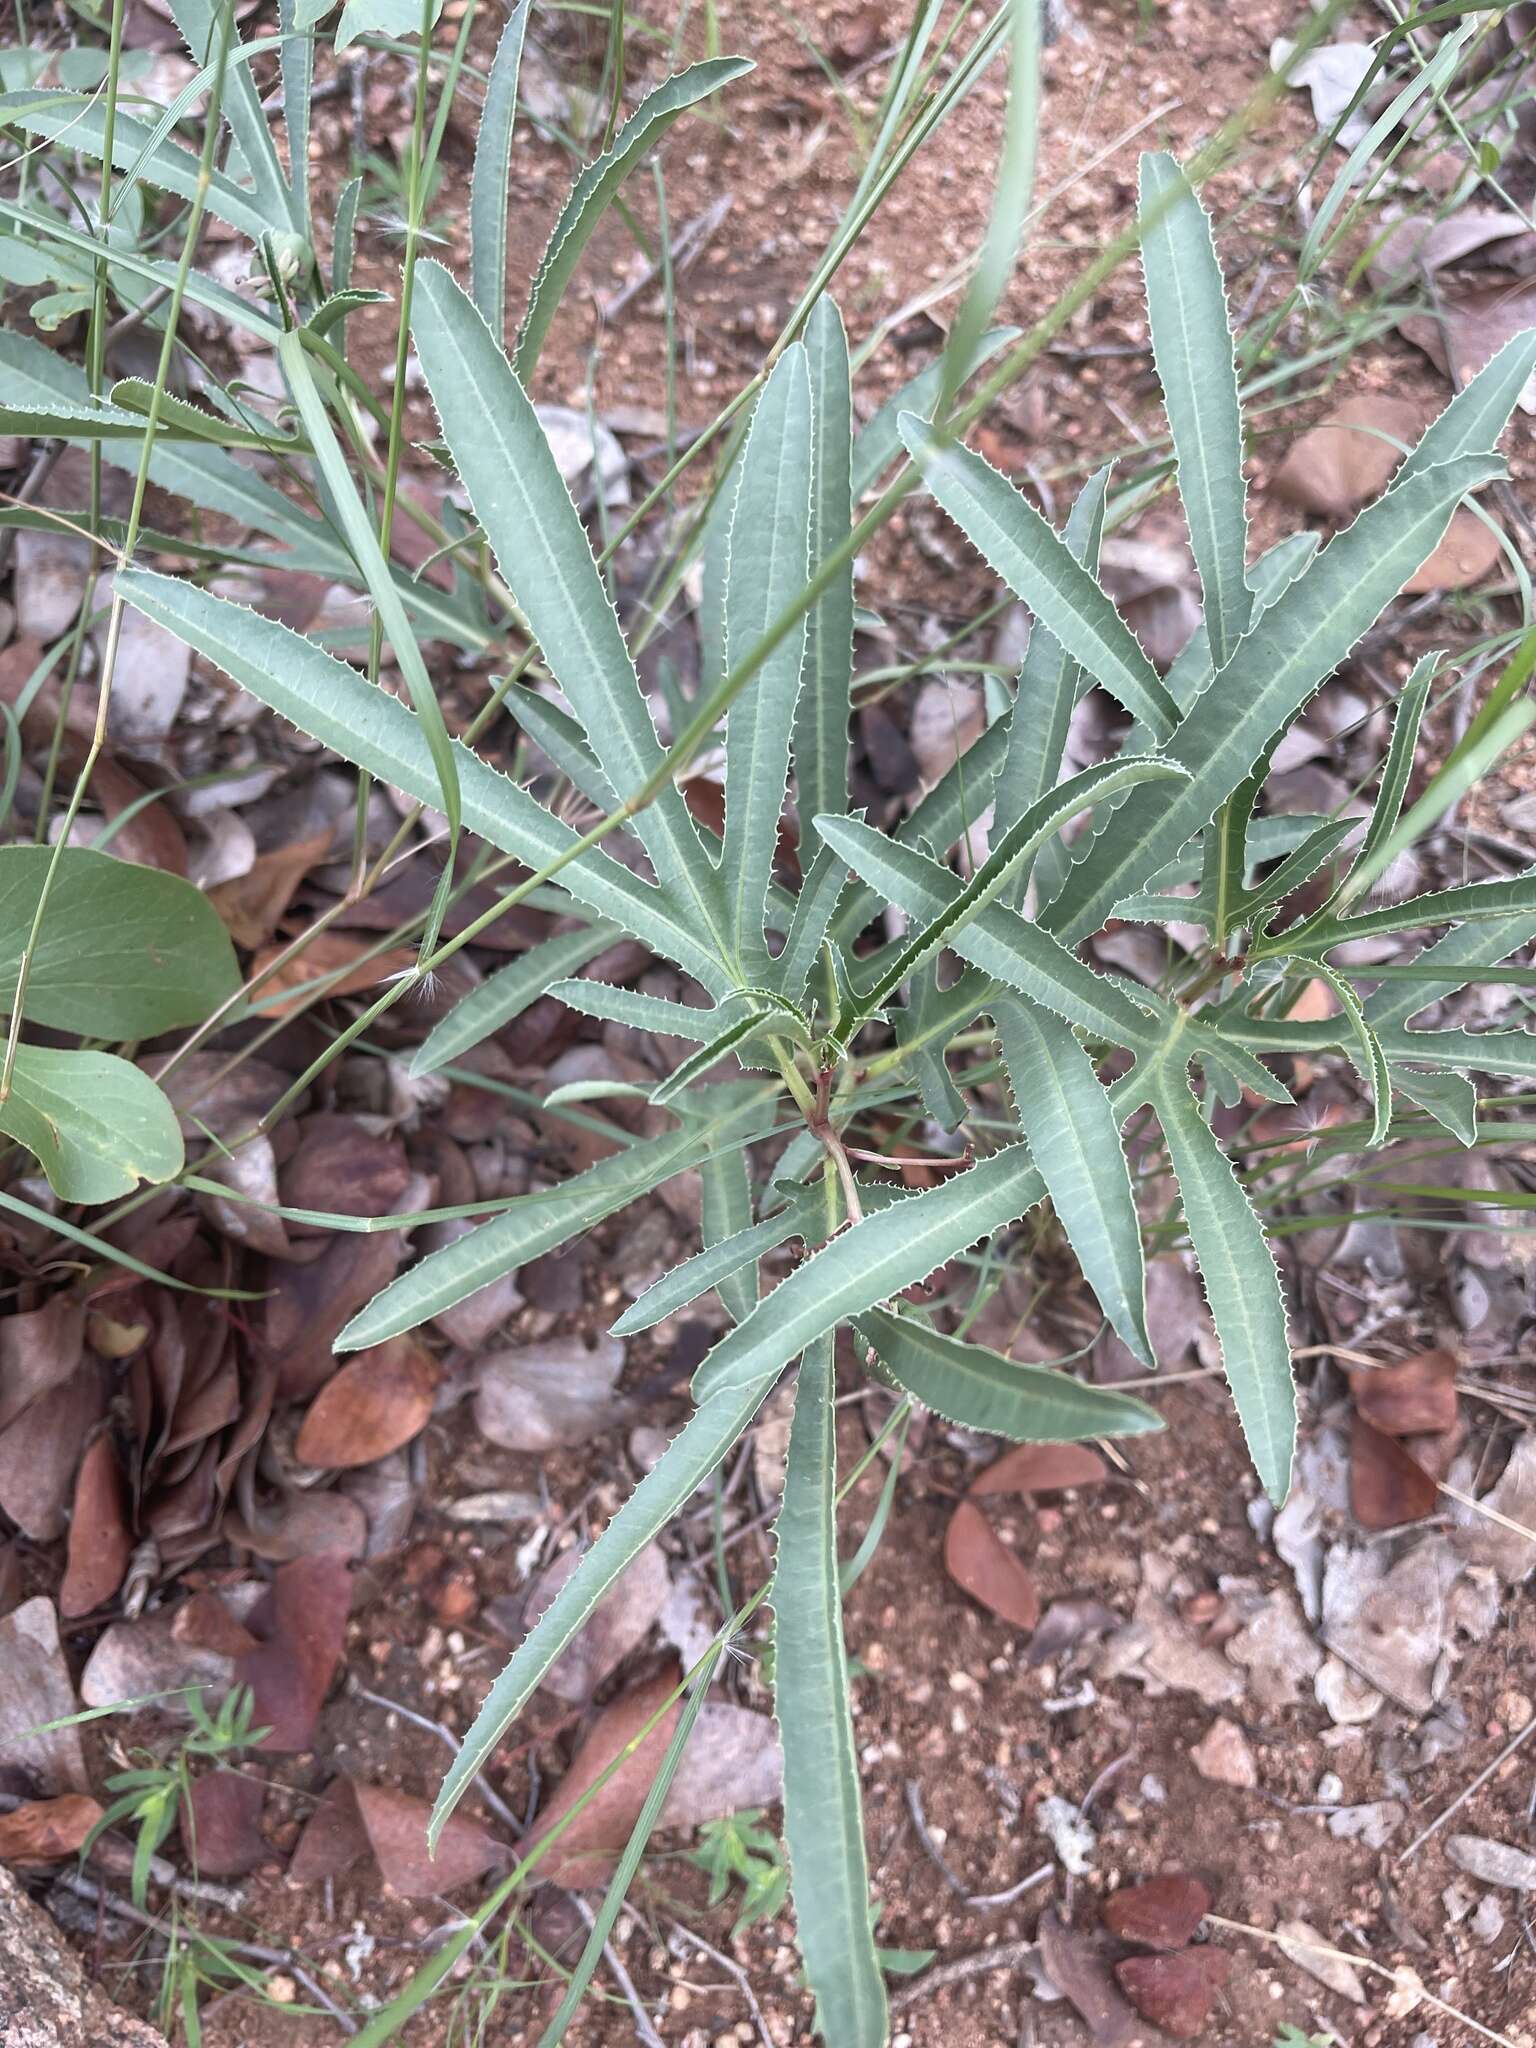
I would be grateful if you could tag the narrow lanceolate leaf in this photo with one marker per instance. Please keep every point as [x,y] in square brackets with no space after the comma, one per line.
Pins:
[1050,683]
[508,992]
[629,1006]
[1034,561]
[1479,413]
[199,22]
[96,1124]
[766,570]
[1068,1124]
[595,187]
[1008,947]
[559,735]
[298,66]
[1039,823]
[1363,1044]
[1241,1281]
[1290,651]
[868,1263]
[538,1223]
[686,1463]
[718,1263]
[747,1027]
[539,542]
[330,701]
[821,714]
[957,801]
[823,1813]
[1192,348]
[980,1389]
[35,376]
[1470,904]
[820,889]
[1396,770]
[921,1035]
[1465,947]
[726,1215]
[1451,1099]
[81,124]
[488,179]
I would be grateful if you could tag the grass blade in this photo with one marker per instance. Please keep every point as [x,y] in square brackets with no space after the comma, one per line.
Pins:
[980,1389]
[596,185]
[488,179]
[1192,348]
[364,543]
[766,569]
[821,713]
[1068,1124]
[823,1812]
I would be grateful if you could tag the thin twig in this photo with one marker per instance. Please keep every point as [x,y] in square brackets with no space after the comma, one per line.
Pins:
[735,1970]
[446,1736]
[1467,1791]
[643,2027]
[1008,1955]
[95,1894]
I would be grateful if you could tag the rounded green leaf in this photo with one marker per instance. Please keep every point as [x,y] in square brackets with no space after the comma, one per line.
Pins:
[97,1125]
[124,952]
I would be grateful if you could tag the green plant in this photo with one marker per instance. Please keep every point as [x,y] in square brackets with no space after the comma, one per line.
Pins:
[739,1849]
[1293,2037]
[827,1028]
[153,1795]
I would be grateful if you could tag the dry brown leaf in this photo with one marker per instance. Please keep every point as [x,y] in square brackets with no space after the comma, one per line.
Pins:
[1349,456]
[1410,1397]
[302,1523]
[353,962]
[345,1169]
[300,1630]
[306,1306]
[221,1824]
[377,1402]
[1469,550]
[583,1854]
[1387,1485]
[1472,327]
[100,1539]
[1041,1468]
[355,1820]
[38,1352]
[35,1692]
[979,1562]
[41,1449]
[1176,1992]
[1162,1912]
[252,907]
[47,1830]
